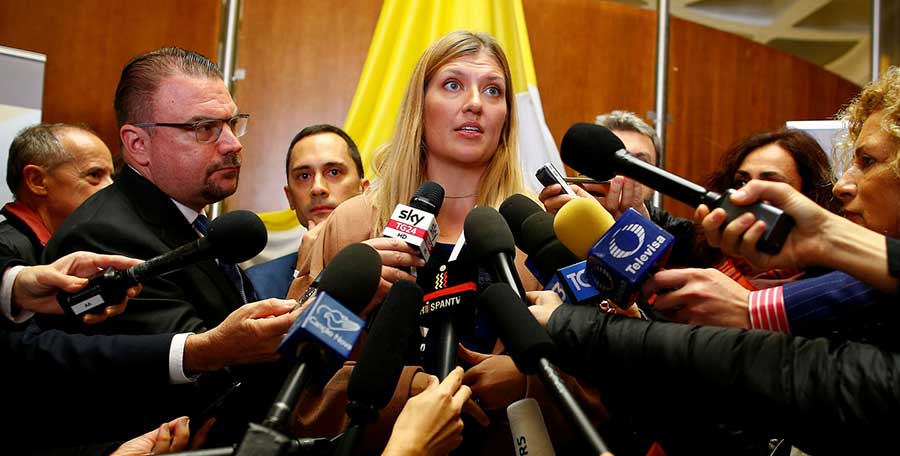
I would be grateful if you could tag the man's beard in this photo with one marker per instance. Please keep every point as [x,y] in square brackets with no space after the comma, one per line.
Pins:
[215,193]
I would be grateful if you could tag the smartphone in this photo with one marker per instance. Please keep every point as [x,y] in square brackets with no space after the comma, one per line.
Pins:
[549,175]
[583,180]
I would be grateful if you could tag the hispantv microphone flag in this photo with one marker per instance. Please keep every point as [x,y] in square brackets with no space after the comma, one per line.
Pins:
[232,238]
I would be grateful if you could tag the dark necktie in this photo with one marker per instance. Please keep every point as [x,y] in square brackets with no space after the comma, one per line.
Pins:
[231,271]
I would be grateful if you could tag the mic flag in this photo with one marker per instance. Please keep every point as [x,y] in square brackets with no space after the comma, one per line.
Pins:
[417,223]
[529,432]
[623,258]
[346,287]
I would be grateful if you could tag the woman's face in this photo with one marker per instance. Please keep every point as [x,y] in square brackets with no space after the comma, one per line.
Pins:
[770,162]
[870,189]
[465,109]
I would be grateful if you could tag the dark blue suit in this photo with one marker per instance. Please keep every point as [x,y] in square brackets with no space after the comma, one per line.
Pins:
[272,279]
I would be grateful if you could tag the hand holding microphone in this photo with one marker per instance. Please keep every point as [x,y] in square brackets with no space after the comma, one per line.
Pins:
[597,152]
[232,238]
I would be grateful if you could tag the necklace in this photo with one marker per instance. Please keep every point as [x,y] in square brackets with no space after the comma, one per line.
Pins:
[474,195]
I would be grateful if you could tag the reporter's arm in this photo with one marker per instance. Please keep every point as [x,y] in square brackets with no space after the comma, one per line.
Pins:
[819,237]
[822,395]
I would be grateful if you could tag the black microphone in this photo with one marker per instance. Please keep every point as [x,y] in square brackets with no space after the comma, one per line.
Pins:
[234,237]
[531,348]
[417,223]
[597,152]
[381,359]
[532,229]
[347,285]
[492,245]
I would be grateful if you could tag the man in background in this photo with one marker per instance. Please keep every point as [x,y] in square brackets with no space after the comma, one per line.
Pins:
[323,170]
[51,170]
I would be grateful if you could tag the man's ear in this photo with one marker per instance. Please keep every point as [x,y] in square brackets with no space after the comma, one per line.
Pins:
[363,185]
[34,178]
[134,143]
[287,194]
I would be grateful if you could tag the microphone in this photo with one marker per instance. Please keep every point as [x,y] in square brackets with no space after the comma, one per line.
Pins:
[492,245]
[597,152]
[417,224]
[529,432]
[531,347]
[620,255]
[532,229]
[329,322]
[381,359]
[233,238]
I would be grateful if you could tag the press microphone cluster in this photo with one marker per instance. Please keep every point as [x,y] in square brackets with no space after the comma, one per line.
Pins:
[549,260]
[234,237]
[595,151]
[381,360]
[620,254]
[417,223]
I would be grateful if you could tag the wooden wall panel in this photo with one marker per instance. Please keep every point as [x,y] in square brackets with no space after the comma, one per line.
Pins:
[89,41]
[595,56]
[303,59]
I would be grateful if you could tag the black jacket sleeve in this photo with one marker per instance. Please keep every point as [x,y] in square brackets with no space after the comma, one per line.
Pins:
[825,397]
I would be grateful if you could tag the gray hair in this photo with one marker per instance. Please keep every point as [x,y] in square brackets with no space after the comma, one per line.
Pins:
[36,145]
[629,121]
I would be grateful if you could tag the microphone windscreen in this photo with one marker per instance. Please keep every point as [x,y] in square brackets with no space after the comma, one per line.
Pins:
[352,276]
[521,334]
[515,210]
[487,233]
[429,197]
[528,429]
[237,236]
[580,223]
[381,359]
[590,149]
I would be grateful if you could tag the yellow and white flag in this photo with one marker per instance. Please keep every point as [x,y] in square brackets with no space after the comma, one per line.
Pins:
[405,29]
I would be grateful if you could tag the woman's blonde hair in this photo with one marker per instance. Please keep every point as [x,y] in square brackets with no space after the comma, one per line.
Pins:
[400,164]
[881,95]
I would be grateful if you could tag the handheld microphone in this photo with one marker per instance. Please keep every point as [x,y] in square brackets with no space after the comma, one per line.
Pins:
[417,223]
[233,238]
[532,229]
[492,245]
[529,432]
[531,347]
[381,360]
[597,152]
[329,322]
[620,255]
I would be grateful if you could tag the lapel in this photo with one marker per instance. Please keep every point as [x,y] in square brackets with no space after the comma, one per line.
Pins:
[159,213]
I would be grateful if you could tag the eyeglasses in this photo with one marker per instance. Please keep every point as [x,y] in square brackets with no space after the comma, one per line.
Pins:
[208,130]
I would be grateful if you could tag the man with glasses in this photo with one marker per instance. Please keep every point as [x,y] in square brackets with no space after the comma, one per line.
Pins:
[179,129]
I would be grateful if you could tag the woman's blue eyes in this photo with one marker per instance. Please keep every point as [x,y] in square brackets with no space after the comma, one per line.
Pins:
[455,86]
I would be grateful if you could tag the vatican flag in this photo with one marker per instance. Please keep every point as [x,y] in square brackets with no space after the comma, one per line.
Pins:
[405,29]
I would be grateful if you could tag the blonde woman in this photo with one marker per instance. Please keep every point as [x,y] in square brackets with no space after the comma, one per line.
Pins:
[456,127]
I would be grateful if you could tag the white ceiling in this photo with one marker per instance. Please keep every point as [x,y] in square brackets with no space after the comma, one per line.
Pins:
[834,34]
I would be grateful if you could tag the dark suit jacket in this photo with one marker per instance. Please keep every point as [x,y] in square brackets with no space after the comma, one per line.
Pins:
[133,217]
[272,279]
